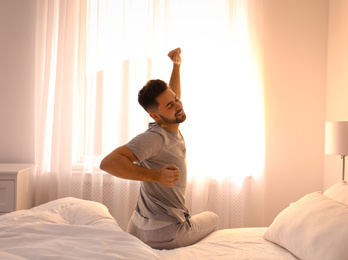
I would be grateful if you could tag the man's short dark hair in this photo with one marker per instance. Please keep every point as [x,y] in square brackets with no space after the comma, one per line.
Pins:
[147,95]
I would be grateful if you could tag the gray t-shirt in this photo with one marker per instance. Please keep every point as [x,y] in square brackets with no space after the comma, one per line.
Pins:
[155,148]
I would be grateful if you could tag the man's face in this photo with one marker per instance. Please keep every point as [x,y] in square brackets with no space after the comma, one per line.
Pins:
[170,108]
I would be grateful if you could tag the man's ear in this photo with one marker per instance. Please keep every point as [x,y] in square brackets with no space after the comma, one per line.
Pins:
[153,115]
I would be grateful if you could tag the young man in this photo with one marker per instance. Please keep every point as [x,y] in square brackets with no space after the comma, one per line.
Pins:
[157,158]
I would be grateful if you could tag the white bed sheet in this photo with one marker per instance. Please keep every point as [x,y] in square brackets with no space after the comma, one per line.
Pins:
[71,228]
[241,244]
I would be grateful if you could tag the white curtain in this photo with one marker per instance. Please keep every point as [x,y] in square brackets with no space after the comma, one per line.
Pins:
[92,59]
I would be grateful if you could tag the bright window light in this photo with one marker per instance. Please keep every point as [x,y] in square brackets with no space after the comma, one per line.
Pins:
[222,92]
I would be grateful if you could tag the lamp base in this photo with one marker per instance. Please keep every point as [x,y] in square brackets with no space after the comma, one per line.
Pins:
[343,166]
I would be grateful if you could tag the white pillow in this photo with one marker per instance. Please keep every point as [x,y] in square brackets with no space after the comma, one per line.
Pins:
[338,192]
[315,227]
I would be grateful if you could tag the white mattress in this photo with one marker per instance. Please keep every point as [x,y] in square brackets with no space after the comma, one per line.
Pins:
[243,243]
[70,228]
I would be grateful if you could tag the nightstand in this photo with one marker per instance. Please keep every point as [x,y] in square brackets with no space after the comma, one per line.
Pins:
[17,182]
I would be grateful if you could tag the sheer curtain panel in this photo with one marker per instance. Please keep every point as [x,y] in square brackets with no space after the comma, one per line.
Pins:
[57,73]
[93,56]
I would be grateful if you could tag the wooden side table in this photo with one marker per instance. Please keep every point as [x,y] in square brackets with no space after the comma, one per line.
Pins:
[17,185]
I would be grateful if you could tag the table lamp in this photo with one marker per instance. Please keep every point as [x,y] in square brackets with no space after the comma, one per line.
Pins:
[336,140]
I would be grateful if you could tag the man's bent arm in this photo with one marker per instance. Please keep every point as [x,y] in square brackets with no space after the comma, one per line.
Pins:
[120,163]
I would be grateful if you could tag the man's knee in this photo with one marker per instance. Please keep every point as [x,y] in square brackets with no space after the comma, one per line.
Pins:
[206,220]
[213,219]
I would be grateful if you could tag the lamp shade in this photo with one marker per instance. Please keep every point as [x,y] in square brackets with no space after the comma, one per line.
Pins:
[336,137]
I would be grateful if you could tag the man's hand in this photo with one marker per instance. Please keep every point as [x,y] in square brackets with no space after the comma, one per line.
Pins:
[174,55]
[169,175]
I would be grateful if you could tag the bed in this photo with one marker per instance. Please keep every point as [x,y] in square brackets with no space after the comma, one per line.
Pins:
[314,227]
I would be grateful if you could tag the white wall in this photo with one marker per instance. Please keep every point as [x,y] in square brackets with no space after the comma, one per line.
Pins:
[17,60]
[337,81]
[295,49]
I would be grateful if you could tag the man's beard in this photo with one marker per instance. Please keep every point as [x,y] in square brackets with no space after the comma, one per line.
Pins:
[174,121]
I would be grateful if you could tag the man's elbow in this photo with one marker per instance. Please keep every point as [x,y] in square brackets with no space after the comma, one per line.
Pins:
[104,164]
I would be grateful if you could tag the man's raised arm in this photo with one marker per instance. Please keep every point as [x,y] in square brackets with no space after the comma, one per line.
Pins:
[174,82]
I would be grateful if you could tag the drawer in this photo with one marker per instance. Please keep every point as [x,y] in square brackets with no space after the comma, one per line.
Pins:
[7,196]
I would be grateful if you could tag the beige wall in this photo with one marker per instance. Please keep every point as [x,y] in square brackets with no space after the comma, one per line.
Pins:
[17,61]
[337,80]
[295,47]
